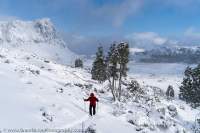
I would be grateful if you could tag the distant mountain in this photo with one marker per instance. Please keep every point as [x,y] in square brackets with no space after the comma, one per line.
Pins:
[169,54]
[38,37]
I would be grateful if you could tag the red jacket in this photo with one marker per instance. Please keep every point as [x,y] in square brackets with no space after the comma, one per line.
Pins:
[92,100]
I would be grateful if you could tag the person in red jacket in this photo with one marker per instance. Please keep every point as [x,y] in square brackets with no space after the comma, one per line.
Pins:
[92,108]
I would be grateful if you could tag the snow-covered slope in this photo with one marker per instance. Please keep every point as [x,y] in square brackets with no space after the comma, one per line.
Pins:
[36,93]
[37,37]
[39,92]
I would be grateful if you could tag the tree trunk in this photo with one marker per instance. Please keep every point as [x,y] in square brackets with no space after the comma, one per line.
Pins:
[120,89]
[120,79]
[112,89]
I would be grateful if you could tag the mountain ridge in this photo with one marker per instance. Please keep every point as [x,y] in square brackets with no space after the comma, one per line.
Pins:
[38,37]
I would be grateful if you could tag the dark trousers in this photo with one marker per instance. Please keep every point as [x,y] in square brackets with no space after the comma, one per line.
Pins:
[92,109]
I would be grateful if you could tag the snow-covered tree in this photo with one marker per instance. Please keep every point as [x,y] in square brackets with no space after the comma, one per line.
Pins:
[117,61]
[190,88]
[99,66]
[111,63]
[123,59]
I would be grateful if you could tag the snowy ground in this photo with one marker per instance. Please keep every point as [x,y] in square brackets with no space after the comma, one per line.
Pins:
[159,74]
[36,93]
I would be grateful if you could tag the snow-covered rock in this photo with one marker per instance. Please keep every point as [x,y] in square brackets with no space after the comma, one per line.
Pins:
[39,38]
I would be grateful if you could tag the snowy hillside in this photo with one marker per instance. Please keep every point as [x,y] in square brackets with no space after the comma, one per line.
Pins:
[38,93]
[37,37]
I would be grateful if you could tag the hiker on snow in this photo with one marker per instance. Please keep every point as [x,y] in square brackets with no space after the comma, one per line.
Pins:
[92,99]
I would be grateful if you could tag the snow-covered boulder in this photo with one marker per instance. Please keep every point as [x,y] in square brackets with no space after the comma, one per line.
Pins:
[172,110]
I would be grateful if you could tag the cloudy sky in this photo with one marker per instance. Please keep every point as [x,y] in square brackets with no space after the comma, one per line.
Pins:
[88,23]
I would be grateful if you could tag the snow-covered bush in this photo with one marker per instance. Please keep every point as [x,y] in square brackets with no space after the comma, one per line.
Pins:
[78,63]
[46,61]
[163,124]
[119,109]
[90,129]
[79,85]
[170,92]
[138,119]
[132,90]
[134,86]
[88,86]
[35,72]
[197,124]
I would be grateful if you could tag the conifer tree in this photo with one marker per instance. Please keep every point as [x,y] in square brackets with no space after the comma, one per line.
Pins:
[123,59]
[99,66]
[190,88]
[117,60]
[112,72]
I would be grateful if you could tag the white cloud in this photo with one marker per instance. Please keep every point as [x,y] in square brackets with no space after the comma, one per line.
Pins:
[118,13]
[147,37]
[138,42]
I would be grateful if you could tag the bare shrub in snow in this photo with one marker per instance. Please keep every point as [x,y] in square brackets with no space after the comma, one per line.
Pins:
[90,129]
[46,61]
[48,117]
[79,85]
[101,91]
[60,90]
[163,124]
